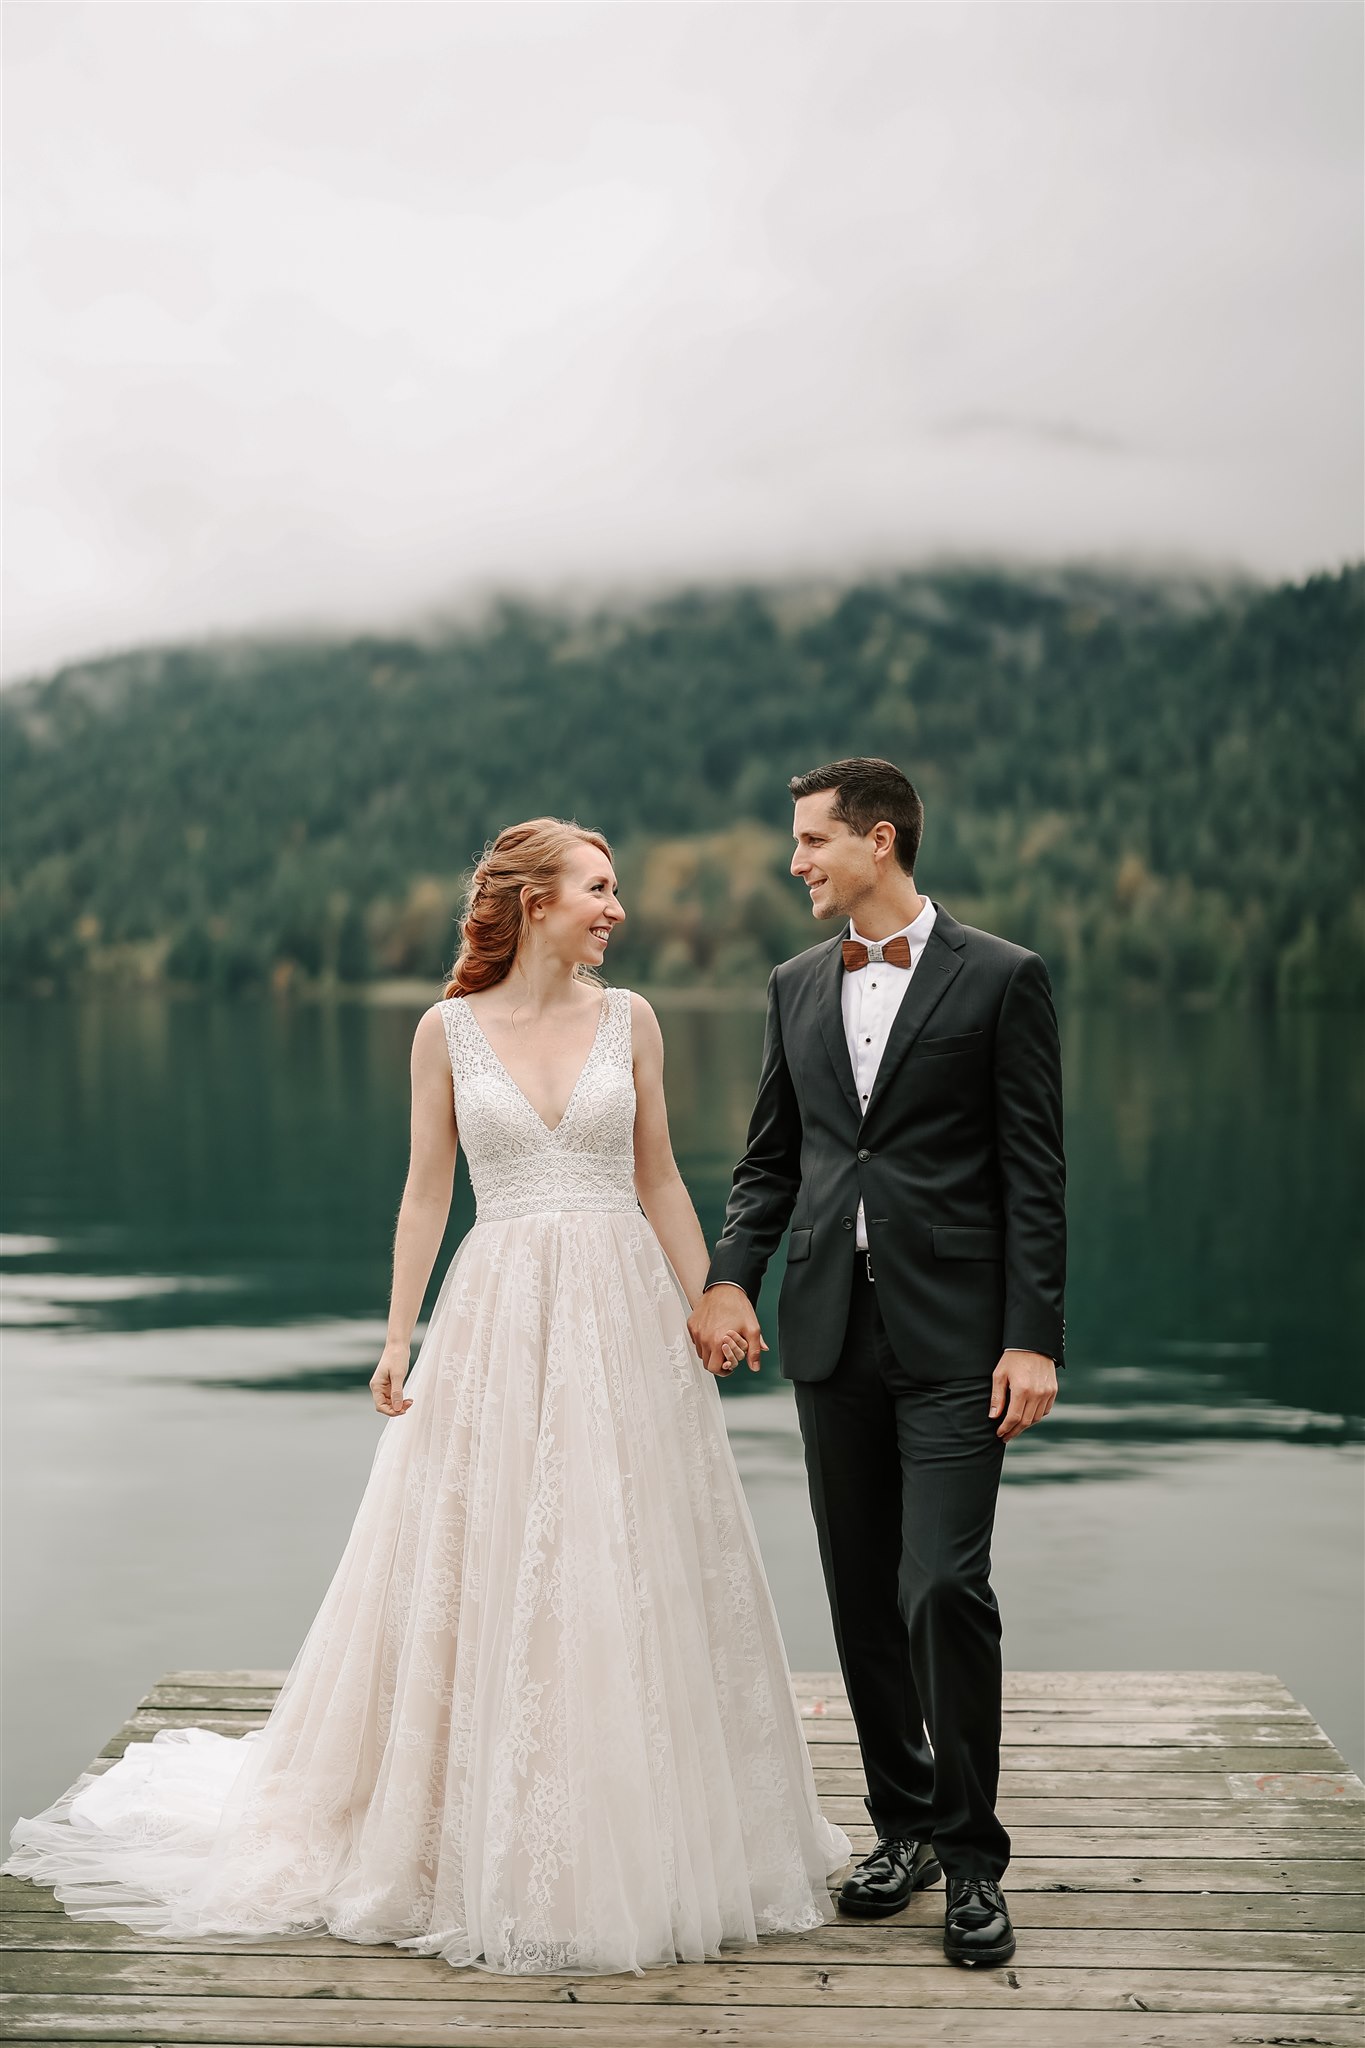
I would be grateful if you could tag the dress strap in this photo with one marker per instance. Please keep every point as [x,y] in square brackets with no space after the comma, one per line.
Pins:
[617,1038]
[448,1007]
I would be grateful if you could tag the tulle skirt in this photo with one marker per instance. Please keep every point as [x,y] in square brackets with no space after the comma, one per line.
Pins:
[543,1719]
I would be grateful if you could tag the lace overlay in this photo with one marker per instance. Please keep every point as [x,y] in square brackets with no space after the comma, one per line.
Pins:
[518,1165]
[543,1719]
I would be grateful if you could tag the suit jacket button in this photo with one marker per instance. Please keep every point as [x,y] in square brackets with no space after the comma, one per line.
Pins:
[864,1155]
[847,1222]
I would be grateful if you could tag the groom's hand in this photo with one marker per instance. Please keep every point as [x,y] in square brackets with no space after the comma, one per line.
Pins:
[725,1311]
[1024,1387]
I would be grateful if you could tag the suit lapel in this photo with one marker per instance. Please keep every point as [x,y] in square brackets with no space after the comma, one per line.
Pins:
[936,967]
[829,979]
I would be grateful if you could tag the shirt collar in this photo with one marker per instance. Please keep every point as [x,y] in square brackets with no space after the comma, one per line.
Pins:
[915,932]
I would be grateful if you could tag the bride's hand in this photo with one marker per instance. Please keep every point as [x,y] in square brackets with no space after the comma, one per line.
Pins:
[725,1331]
[386,1382]
[733,1351]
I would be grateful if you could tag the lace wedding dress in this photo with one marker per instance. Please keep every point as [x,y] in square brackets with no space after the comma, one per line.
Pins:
[543,1718]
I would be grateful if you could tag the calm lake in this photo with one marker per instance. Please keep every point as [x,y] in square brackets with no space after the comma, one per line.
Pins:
[198,1205]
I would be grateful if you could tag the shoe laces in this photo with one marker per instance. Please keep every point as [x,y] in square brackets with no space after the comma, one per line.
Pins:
[898,1848]
[985,1890]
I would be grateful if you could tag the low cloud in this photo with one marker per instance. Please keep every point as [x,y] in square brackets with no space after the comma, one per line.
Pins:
[328,315]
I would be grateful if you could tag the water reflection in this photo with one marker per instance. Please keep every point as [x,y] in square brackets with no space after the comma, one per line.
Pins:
[199,1203]
[179,1165]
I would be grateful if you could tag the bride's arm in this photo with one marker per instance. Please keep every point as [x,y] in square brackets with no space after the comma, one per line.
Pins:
[425,1206]
[661,1188]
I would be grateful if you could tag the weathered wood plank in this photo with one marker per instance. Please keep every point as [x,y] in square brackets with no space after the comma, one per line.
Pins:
[1338,1822]
[1158,1698]
[1062,1949]
[326,2023]
[1268,1698]
[1247,1913]
[1306,1845]
[1063,1681]
[899,1941]
[1269,1873]
[164,1708]
[723,1983]
[1082,1790]
[1181,1684]
[1159,1712]
[1100,1764]
[1225,1757]
[1143,1731]
[845,1942]
[826,1744]
[1344,1786]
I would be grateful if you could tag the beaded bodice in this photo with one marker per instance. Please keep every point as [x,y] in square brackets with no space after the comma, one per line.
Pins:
[519,1166]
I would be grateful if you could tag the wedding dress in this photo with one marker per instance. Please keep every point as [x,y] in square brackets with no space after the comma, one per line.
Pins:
[543,1719]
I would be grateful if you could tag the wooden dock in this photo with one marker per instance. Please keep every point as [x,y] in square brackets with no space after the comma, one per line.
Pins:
[1189,1868]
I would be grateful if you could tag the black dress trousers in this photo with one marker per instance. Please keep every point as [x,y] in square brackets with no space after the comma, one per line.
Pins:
[904,1475]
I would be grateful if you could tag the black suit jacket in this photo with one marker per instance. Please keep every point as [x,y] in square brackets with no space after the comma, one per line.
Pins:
[958,1160]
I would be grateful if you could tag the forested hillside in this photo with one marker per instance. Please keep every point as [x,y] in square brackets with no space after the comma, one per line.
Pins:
[1156,783]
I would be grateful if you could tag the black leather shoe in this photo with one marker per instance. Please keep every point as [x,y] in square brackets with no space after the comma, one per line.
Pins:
[976,1928]
[884,1881]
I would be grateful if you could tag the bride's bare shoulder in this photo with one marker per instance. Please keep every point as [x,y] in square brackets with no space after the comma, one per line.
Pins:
[644,1024]
[429,1036]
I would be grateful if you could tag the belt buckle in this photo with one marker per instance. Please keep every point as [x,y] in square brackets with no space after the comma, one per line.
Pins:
[870,1274]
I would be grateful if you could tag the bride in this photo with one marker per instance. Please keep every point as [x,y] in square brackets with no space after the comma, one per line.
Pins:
[542,1720]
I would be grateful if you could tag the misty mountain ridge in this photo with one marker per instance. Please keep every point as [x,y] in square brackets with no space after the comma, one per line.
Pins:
[1151,778]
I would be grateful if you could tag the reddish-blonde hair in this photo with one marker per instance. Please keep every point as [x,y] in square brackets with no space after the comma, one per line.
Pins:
[527,856]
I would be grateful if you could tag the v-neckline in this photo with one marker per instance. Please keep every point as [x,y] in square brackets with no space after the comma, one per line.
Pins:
[550,1130]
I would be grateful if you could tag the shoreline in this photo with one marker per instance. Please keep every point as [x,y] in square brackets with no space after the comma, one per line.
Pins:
[410,992]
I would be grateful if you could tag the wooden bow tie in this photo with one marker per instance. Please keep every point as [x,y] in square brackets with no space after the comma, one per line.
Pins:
[896,952]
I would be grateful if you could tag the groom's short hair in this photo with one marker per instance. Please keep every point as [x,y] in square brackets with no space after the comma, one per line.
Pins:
[868,792]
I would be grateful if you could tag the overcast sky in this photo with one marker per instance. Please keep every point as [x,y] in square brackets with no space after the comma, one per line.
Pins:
[331,313]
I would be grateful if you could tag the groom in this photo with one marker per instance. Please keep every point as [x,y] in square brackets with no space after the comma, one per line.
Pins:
[908,1127]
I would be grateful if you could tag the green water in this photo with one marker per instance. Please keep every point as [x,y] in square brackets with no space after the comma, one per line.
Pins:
[198,1206]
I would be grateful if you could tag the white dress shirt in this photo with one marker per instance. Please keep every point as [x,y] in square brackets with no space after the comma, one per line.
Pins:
[870,998]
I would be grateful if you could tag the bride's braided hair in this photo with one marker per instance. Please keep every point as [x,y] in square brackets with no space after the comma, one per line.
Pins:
[530,855]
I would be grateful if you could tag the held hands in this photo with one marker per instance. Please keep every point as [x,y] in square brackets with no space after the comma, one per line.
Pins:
[386,1381]
[725,1330]
[1028,1382]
